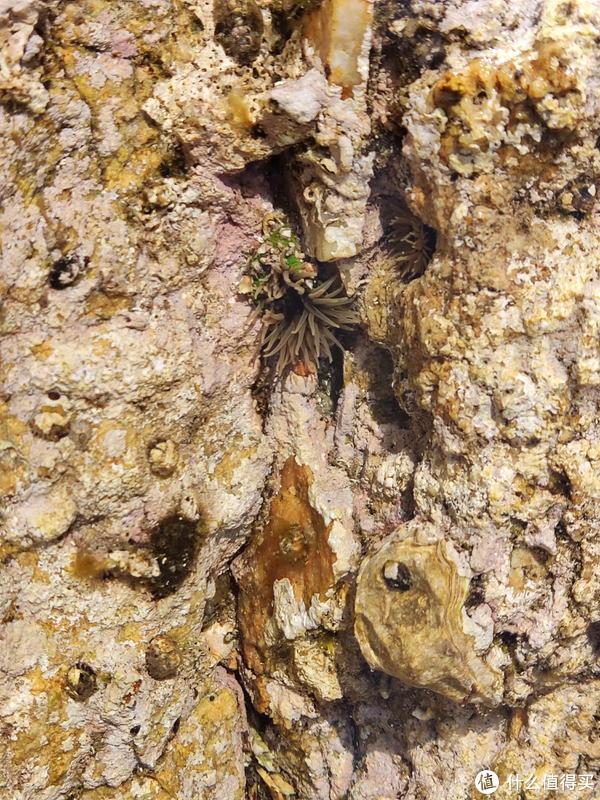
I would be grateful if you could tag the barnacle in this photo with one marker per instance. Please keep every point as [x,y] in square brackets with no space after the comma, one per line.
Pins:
[293,543]
[51,419]
[67,270]
[163,458]
[411,244]
[80,681]
[163,658]
[300,313]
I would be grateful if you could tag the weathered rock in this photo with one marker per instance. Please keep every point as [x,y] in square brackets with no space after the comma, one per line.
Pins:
[368,577]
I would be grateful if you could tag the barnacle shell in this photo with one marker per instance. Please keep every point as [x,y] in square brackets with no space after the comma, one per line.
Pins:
[163,658]
[51,421]
[80,681]
[409,606]
[163,458]
[66,270]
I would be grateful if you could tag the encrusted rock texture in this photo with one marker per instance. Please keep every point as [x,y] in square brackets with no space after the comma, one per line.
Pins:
[369,577]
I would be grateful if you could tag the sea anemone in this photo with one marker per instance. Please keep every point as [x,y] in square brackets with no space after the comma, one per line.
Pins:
[300,313]
[411,243]
[302,327]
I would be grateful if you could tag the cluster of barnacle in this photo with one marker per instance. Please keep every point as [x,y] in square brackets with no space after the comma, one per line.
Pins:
[239,29]
[411,244]
[163,660]
[300,310]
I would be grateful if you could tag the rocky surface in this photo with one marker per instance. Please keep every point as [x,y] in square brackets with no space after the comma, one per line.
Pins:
[369,578]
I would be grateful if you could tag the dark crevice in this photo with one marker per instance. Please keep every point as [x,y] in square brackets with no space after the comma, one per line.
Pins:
[476,594]
[593,635]
[330,381]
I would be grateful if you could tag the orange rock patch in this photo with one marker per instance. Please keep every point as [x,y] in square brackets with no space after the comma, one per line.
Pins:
[293,545]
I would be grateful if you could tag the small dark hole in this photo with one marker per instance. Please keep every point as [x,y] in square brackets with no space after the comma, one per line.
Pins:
[330,376]
[560,484]
[509,638]
[54,395]
[135,730]
[431,238]
[65,271]
[176,725]
[397,576]
[175,163]
[476,594]
[437,59]
[541,556]
[593,634]
[211,697]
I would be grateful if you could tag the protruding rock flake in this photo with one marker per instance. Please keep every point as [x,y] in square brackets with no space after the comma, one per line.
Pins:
[299,399]
[340,33]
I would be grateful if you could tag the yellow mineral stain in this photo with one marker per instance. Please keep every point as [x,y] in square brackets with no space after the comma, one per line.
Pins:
[30,559]
[130,632]
[43,742]
[42,351]
[142,149]
[138,788]
[13,451]
[136,160]
[214,716]
[239,112]
[102,346]
[232,459]
[86,565]
[525,566]
[106,306]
